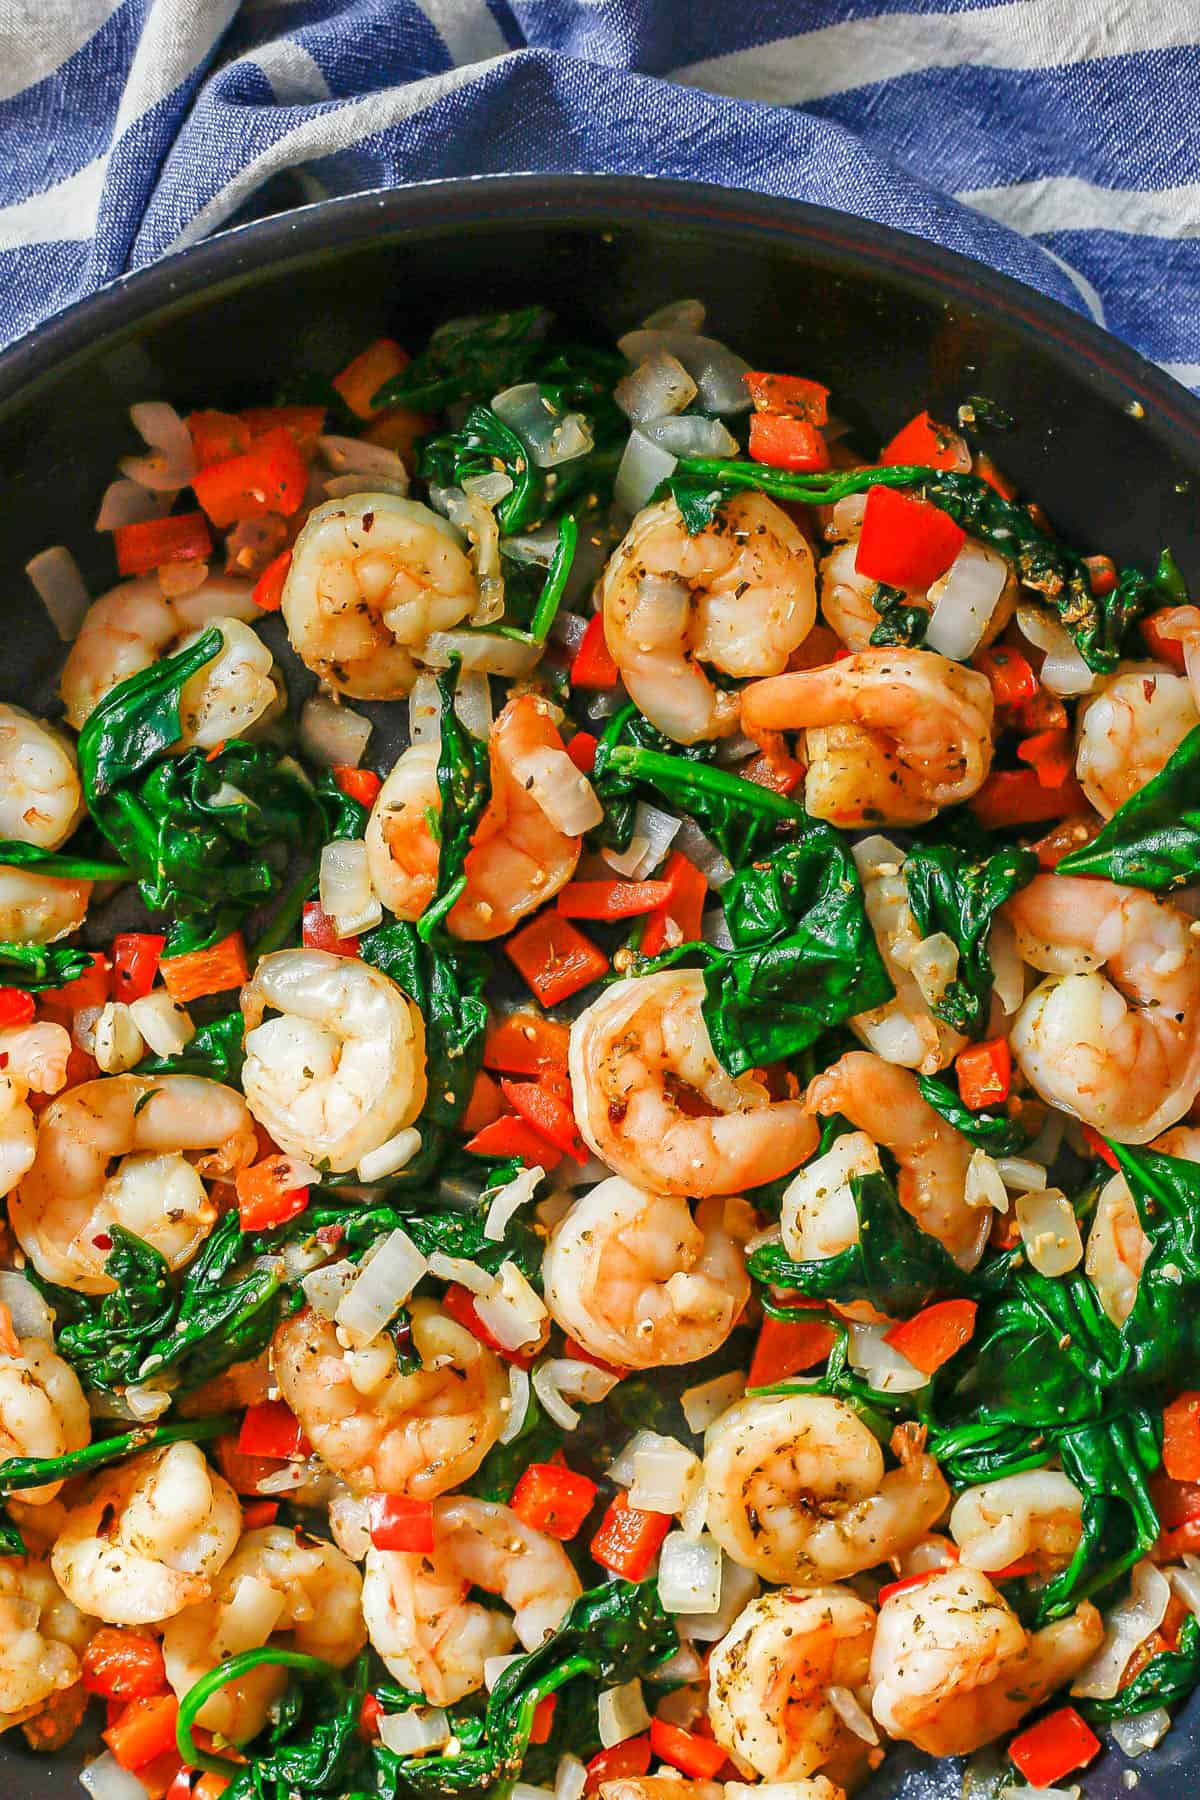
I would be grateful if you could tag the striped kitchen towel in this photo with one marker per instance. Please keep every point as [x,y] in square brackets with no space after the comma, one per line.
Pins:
[1055,139]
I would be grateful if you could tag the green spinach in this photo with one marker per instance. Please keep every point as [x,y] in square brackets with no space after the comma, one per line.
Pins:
[1153,840]
[470,359]
[957,886]
[217,1050]
[993,1132]
[35,967]
[1165,1680]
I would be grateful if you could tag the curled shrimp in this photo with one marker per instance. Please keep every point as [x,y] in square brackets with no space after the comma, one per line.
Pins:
[1117,1246]
[519,858]
[41,800]
[43,1409]
[904,1029]
[278,1587]
[953,1667]
[892,736]
[18,1133]
[656,1105]
[769,1680]
[341,1068]
[1128,728]
[419,1617]
[639,1282]
[148,1537]
[131,627]
[36,1055]
[740,594]
[886,1103]
[798,1491]
[1113,1037]
[40,909]
[848,598]
[415,1433]
[1038,1514]
[371,576]
[42,1636]
[168,1132]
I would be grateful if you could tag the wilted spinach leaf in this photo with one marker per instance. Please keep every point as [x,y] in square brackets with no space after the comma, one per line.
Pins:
[957,886]
[1153,840]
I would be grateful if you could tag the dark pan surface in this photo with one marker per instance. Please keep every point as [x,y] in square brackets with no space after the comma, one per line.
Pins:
[1107,443]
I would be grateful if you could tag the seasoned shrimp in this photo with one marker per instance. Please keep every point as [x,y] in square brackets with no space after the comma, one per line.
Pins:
[639,1282]
[797,1489]
[42,1636]
[892,735]
[769,1680]
[1117,1247]
[18,1133]
[371,576]
[278,1587]
[740,595]
[148,1537]
[341,1069]
[43,1409]
[953,1667]
[40,909]
[519,858]
[1128,728]
[640,1059]
[417,1433]
[1038,1514]
[430,1635]
[168,1132]
[131,627]
[36,1055]
[41,800]
[903,1030]
[848,598]
[1119,1049]
[886,1103]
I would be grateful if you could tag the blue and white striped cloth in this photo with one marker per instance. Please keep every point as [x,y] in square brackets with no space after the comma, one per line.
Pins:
[1055,139]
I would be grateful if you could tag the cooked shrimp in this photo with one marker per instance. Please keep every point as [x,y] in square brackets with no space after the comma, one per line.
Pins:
[168,1132]
[1120,1049]
[131,627]
[740,595]
[848,598]
[40,909]
[416,1434]
[41,1639]
[1038,1514]
[430,1635]
[953,1667]
[640,1060]
[36,1055]
[769,1679]
[671,1787]
[1117,1247]
[639,1282]
[818,1218]
[41,800]
[371,576]
[903,1030]
[518,858]
[43,1409]
[1128,728]
[892,735]
[886,1103]
[278,1587]
[18,1133]
[148,1537]
[342,1067]
[797,1489]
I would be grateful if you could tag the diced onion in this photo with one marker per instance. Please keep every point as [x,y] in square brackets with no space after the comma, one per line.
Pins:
[934,965]
[30,1312]
[692,435]
[703,854]
[565,795]
[665,1475]
[964,600]
[714,928]
[738,1588]
[117,1041]
[83,1028]
[506,1200]
[1130,1623]
[689,1574]
[703,1404]
[821,1190]
[735,749]
[354,456]
[424,711]
[1038,1793]
[466,509]
[570,1778]
[1184,1579]
[642,467]
[391,1156]
[165,1025]
[1049,1231]
[1008,967]
[1064,672]
[654,832]
[693,1516]
[415,1732]
[171,462]
[146,1403]
[248,1617]
[684,1665]
[511,1310]
[105,1779]
[61,588]
[659,386]
[518,1403]
[1020,1174]
[883,1365]
[550,436]
[331,734]
[293,1475]
[127,502]
[561,1379]
[848,1707]
[347,896]
[984,1184]
[677,315]
[683,1705]
[485,651]
[718,372]
[494,1667]
[462,1270]
[325,1288]
[1135,1735]
[384,1284]
[621,1713]
[473,704]
[539,547]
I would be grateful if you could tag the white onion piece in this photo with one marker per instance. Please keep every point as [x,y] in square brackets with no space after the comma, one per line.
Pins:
[332,734]
[1049,1231]
[171,462]
[473,705]
[345,890]
[105,1779]
[30,1312]
[61,589]
[570,1778]
[1048,1142]
[390,1156]
[424,711]
[1135,1735]
[506,1200]
[483,650]
[325,1288]
[714,928]
[462,1270]
[511,1310]
[703,853]
[821,1190]
[118,1043]
[934,965]
[383,1285]
[526,1790]
[683,1705]
[293,1475]
[561,1379]
[621,1713]
[659,386]
[538,546]
[964,600]
[1064,672]
[719,373]
[1129,1624]
[246,1620]
[494,1667]
[883,1365]
[146,1403]
[354,456]
[735,749]
[684,1665]
[847,1706]
[738,1588]
[415,1732]
[692,435]
[339,486]
[127,502]
[621,1468]
[1008,967]
[565,795]
[689,1574]
[1020,1174]
[654,832]
[1185,1581]
[677,315]
[703,1404]
[984,1185]
[518,1403]
[164,1024]
[550,436]
[642,467]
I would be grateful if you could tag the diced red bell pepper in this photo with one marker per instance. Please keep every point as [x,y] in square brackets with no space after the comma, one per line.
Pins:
[1056,1745]
[1166,649]
[509,1136]
[983,466]
[791,396]
[318,932]
[89,989]
[593,665]
[611,899]
[582,750]
[1050,754]
[525,1043]
[145,1730]
[935,1334]
[210,971]
[398,1523]
[1011,674]
[17,1007]
[689,891]
[365,374]
[270,477]
[543,1719]
[1099,1147]
[459,1303]
[123,1665]
[149,543]
[258,1513]
[135,956]
[216,436]
[699,1757]
[1181,1437]
[1102,574]
[905,542]
[362,785]
[1015,797]
[484,1105]
[547,1107]
[268,589]
[630,1757]
[927,444]
[984,1073]
[784,443]
[773,768]
[906,1582]
[369,1715]
[271,1428]
[271,1192]
[629,1539]
[555,959]
[553,1499]
[303,424]
[786,1346]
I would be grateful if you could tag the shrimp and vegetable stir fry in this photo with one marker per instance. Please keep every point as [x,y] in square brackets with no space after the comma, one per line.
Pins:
[623,1217]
